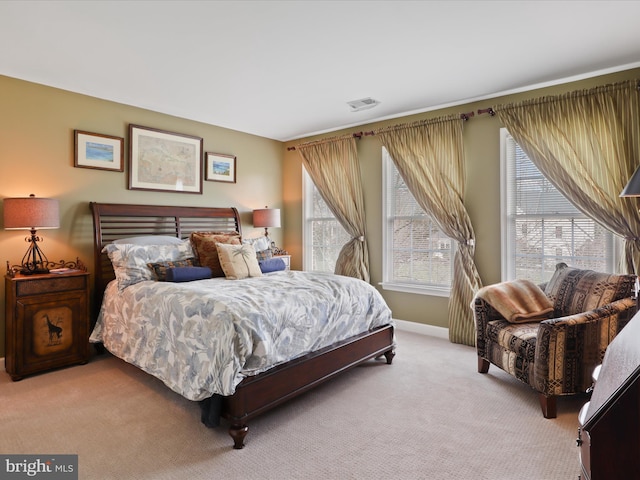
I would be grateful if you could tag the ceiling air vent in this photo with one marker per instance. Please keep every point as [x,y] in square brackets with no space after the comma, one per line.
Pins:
[362,104]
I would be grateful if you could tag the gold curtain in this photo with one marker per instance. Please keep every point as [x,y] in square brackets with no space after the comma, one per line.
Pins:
[587,143]
[333,166]
[429,157]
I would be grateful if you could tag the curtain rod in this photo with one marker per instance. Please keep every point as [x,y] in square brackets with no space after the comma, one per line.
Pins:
[585,92]
[463,116]
[429,121]
[358,135]
[490,111]
[570,94]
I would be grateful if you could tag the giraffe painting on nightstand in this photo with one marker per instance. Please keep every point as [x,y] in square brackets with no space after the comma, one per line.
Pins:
[55,332]
[52,330]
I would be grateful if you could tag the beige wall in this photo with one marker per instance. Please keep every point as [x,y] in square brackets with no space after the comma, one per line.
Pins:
[36,156]
[482,196]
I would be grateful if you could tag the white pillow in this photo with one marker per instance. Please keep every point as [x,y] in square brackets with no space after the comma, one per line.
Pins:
[149,240]
[238,261]
[260,243]
[130,261]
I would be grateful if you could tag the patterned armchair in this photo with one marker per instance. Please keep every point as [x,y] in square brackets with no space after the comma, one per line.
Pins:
[555,356]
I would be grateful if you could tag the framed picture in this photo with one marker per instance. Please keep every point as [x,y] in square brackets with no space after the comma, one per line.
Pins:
[164,161]
[221,168]
[102,152]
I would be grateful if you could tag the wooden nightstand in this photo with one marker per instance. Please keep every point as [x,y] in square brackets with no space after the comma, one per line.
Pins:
[286,259]
[46,322]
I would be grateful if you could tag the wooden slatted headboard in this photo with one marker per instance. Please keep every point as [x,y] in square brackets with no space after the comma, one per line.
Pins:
[112,221]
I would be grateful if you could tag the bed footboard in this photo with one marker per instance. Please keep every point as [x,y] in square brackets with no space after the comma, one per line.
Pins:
[257,394]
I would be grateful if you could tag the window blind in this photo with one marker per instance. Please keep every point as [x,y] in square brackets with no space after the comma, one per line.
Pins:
[417,251]
[324,236]
[543,227]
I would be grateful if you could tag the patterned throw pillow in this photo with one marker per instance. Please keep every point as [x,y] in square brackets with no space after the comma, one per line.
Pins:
[264,254]
[238,261]
[160,269]
[204,245]
[574,290]
[130,262]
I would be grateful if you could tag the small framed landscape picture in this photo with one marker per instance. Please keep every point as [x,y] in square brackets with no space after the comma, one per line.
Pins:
[220,167]
[102,152]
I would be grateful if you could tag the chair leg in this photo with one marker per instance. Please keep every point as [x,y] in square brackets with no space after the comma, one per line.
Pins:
[548,405]
[483,365]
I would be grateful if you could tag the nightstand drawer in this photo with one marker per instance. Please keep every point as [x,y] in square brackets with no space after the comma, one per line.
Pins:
[50,285]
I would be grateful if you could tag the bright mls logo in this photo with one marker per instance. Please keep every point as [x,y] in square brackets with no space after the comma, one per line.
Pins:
[51,467]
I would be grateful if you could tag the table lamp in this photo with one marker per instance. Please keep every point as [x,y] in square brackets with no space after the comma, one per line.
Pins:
[32,214]
[266,217]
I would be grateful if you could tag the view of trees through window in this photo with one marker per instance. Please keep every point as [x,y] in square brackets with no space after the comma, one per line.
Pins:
[544,228]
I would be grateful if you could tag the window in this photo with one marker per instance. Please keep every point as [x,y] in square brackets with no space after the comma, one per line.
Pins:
[541,227]
[418,256]
[323,235]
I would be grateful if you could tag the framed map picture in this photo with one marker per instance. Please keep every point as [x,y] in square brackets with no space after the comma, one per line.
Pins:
[102,152]
[221,168]
[164,161]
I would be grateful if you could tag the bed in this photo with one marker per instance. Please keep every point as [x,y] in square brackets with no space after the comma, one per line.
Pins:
[266,379]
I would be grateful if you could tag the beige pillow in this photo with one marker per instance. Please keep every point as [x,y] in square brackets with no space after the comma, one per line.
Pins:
[519,301]
[238,261]
[204,245]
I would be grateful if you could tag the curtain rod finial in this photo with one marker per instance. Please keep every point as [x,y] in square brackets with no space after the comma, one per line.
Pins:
[489,110]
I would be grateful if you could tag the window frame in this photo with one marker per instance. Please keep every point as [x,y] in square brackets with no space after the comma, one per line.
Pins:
[387,247]
[507,255]
[307,207]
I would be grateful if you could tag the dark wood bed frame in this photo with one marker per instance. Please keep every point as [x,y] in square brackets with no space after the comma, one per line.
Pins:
[256,394]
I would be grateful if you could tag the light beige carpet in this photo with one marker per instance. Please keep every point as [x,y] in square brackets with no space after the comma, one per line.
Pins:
[430,415]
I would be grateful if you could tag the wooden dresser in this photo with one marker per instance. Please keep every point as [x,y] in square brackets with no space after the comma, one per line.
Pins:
[609,432]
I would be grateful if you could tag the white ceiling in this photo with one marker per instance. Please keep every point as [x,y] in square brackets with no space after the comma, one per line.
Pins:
[285,69]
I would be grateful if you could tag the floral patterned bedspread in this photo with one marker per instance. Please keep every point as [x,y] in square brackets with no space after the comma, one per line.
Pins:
[203,337]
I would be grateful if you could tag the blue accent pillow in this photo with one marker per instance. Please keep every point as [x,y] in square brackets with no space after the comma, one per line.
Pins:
[272,265]
[187,274]
[161,268]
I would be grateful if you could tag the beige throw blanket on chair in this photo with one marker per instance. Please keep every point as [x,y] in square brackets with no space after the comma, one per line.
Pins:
[518,301]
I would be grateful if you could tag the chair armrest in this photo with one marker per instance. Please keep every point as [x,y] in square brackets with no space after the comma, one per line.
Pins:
[623,306]
[569,348]
[483,313]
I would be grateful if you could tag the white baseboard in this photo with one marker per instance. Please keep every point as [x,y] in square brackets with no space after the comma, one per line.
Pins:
[422,329]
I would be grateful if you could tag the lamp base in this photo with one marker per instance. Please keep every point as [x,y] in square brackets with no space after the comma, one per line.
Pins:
[33,271]
[34,260]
